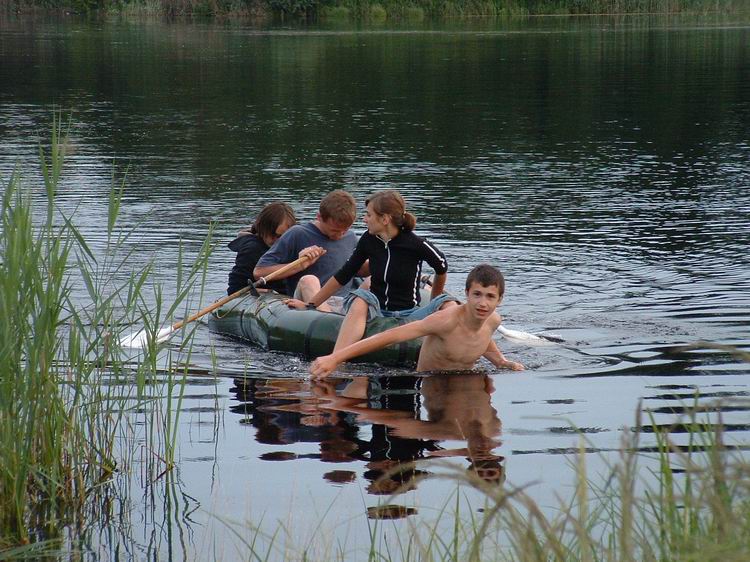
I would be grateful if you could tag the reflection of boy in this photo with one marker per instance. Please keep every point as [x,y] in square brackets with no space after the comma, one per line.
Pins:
[459,408]
[491,471]
[391,397]
[389,468]
[327,241]
[454,338]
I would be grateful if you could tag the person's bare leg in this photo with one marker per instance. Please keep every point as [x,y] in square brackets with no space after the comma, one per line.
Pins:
[353,326]
[308,287]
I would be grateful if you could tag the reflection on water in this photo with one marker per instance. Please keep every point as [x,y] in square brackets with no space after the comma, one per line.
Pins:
[383,422]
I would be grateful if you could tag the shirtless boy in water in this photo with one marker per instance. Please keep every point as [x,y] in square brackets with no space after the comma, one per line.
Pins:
[454,338]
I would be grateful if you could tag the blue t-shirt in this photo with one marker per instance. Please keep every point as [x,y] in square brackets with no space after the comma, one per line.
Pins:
[287,249]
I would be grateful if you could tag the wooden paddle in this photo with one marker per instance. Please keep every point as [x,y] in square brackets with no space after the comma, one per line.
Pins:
[139,339]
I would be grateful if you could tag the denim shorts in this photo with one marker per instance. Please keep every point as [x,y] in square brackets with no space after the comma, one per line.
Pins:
[410,314]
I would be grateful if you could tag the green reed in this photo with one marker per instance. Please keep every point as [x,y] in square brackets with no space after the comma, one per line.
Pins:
[691,503]
[68,392]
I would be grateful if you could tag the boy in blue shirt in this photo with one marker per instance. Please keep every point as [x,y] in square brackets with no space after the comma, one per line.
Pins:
[327,241]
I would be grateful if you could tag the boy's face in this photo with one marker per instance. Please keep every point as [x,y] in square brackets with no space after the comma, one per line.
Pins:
[483,301]
[333,230]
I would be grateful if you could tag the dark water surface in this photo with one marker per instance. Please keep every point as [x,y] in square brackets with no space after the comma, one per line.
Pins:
[602,163]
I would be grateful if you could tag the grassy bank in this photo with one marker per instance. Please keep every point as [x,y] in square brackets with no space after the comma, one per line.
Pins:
[421,9]
[376,10]
[68,391]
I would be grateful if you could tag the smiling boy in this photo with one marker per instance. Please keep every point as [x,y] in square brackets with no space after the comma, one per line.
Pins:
[454,338]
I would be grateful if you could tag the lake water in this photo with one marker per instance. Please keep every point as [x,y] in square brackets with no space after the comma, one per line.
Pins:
[602,163]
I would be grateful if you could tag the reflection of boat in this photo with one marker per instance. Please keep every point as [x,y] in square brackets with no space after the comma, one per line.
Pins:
[378,422]
[268,323]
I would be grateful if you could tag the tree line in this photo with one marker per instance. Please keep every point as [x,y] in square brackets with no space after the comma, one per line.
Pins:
[373,9]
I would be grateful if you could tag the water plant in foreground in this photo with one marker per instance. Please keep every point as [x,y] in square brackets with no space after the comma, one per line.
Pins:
[660,501]
[67,391]
[669,502]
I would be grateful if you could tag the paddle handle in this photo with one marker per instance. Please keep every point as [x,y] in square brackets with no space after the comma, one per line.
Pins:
[221,302]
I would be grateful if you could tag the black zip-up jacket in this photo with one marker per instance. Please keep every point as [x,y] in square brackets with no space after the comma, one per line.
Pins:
[395,267]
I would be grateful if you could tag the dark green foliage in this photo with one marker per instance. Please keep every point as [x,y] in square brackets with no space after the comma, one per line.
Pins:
[86,5]
[292,6]
[365,9]
[72,5]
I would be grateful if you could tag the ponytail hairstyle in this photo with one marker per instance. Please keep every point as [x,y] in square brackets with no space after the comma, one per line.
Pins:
[389,202]
[270,218]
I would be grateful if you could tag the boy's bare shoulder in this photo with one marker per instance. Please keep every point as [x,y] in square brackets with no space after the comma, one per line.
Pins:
[442,319]
[494,321]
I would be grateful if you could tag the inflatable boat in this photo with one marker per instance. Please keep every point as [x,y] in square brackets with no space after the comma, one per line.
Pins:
[267,322]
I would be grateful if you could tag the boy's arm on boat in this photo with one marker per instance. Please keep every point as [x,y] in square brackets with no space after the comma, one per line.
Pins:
[496,357]
[313,252]
[325,365]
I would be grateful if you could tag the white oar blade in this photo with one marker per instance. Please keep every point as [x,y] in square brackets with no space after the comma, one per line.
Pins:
[164,334]
[140,339]
[135,339]
[519,336]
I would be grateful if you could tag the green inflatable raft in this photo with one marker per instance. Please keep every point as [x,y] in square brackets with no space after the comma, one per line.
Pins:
[267,322]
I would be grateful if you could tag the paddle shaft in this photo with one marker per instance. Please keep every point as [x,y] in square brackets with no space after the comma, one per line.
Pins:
[221,302]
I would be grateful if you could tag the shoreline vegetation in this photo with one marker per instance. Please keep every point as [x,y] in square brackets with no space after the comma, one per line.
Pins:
[369,10]
[69,393]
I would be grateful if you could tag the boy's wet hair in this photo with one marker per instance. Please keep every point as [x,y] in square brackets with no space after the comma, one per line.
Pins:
[486,276]
[339,207]
[491,471]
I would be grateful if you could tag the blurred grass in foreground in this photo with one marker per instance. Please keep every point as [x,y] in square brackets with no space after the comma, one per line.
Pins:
[657,502]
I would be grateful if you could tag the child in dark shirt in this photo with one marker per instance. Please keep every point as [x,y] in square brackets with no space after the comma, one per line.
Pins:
[273,221]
